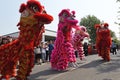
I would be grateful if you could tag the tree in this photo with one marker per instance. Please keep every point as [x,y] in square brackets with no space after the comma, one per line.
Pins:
[112,33]
[118,16]
[114,37]
[118,0]
[89,23]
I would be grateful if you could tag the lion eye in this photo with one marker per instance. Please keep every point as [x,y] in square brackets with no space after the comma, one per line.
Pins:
[65,15]
[31,7]
[35,9]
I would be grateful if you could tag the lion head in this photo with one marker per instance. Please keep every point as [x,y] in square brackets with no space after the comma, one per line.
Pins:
[67,17]
[34,8]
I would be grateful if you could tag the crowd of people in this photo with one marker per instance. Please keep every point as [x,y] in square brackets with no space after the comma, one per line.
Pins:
[5,40]
[43,52]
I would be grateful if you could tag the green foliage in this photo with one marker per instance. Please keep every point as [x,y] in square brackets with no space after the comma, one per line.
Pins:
[114,37]
[89,23]
[118,0]
[118,15]
[112,34]
[117,41]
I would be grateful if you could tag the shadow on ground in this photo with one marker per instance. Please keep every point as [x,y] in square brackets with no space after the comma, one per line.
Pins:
[48,72]
[103,66]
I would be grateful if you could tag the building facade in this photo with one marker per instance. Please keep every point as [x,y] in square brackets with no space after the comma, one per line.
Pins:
[48,35]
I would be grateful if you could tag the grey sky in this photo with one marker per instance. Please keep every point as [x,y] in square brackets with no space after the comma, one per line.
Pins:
[105,10]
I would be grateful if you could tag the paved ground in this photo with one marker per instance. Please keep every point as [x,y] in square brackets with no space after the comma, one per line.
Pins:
[94,68]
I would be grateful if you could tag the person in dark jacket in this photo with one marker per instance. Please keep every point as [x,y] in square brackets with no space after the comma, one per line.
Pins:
[85,47]
[51,47]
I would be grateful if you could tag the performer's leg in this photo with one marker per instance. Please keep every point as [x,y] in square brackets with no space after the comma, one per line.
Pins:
[81,52]
[76,53]
[23,66]
[107,54]
[9,70]
[5,77]
[69,50]
[30,63]
[99,50]
[113,51]
[71,56]
[54,59]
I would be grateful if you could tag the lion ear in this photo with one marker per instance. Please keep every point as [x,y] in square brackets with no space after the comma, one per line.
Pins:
[22,8]
[106,24]
[96,26]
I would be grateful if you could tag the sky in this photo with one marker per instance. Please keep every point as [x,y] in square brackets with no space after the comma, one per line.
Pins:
[105,10]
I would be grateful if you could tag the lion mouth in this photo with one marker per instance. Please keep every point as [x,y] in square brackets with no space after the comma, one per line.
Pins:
[44,18]
[71,20]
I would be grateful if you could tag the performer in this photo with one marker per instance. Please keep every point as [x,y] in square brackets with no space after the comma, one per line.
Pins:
[103,41]
[78,37]
[63,52]
[31,26]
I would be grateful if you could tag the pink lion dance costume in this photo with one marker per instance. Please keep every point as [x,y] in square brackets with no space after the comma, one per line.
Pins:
[103,41]
[63,52]
[78,37]
[31,26]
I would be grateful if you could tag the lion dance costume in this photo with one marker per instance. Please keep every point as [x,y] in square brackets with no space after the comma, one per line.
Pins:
[78,37]
[63,52]
[103,41]
[31,26]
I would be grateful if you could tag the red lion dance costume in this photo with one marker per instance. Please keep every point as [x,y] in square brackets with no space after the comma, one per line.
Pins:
[63,52]
[103,41]
[78,37]
[31,26]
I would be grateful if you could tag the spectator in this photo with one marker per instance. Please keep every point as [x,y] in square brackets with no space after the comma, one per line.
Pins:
[114,48]
[43,50]
[9,38]
[76,53]
[0,40]
[47,51]
[4,41]
[38,55]
[85,47]
[51,47]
